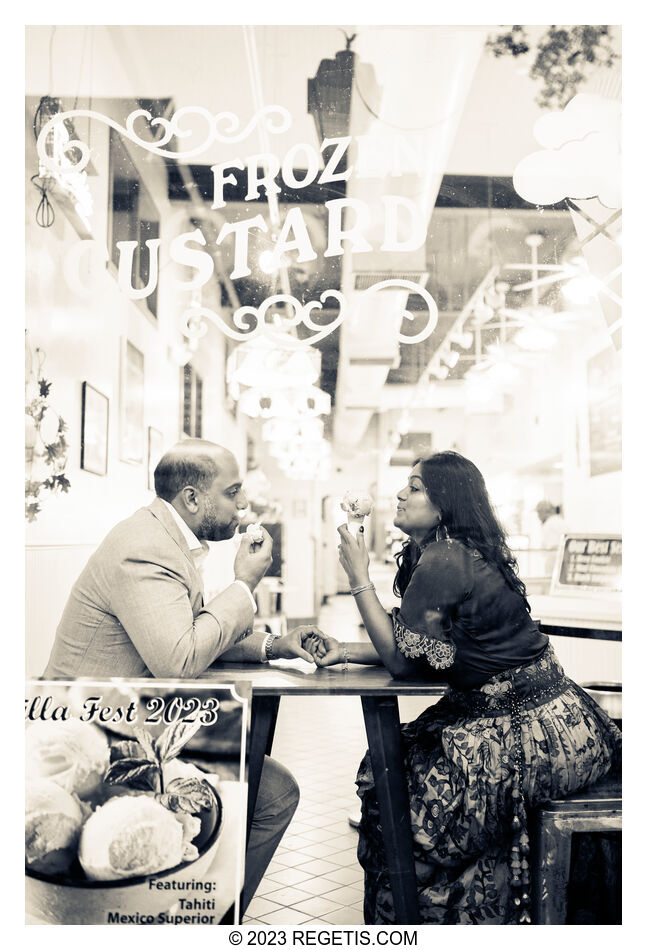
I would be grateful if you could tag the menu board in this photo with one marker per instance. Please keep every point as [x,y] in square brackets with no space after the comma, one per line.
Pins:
[588,562]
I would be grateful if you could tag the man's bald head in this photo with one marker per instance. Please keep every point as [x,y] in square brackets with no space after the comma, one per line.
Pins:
[194,462]
[201,481]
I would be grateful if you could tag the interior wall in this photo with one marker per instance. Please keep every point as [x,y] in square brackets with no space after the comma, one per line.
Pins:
[303,548]
[81,337]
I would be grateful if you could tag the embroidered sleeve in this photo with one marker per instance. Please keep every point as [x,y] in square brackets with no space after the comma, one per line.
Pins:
[441,580]
[439,653]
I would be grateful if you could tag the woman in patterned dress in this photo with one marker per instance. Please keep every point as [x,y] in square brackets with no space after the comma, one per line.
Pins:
[512,730]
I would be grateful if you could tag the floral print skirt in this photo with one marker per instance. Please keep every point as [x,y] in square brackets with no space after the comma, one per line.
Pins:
[462,758]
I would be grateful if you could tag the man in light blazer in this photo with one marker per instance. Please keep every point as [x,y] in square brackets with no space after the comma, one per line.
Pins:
[137,608]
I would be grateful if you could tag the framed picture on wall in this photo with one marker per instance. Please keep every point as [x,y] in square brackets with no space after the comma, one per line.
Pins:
[131,405]
[94,430]
[155,450]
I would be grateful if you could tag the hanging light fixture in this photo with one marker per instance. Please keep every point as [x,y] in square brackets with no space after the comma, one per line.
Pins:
[439,370]
[308,465]
[450,358]
[274,360]
[463,338]
[534,338]
[285,430]
[284,403]
[330,93]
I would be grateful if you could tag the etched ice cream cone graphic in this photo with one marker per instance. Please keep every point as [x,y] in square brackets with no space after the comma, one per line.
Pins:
[357,505]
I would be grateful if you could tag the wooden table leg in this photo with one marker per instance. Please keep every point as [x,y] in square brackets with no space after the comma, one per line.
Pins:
[264,712]
[382,720]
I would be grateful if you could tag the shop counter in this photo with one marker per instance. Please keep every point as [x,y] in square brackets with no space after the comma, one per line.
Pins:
[592,617]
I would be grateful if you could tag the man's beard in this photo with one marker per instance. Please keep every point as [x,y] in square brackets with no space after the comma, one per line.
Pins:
[212,529]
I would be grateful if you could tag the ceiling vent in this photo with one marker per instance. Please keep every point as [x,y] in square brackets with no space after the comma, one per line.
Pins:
[412,446]
[366,279]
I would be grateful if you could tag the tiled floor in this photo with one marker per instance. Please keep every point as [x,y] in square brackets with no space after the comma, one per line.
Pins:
[314,876]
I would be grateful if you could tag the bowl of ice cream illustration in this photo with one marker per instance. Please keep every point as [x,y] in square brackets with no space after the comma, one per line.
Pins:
[357,505]
[103,821]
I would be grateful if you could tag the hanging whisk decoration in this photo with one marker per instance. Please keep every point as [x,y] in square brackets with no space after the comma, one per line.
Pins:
[45,210]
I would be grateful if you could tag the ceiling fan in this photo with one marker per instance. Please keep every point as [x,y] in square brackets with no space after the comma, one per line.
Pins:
[581,285]
[502,362]
[539,319]
[540,315]
[554,272]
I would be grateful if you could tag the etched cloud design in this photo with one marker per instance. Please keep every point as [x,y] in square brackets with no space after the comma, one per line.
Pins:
[580,157]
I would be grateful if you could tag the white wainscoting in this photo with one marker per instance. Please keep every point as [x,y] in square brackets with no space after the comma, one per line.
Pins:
[588,661]
[50,571]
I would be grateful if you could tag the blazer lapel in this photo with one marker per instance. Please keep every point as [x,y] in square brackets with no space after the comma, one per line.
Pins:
[164,516]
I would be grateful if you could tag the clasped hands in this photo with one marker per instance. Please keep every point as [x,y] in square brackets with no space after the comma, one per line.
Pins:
[308,642]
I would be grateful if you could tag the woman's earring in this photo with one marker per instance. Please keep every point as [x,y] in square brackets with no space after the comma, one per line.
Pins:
[441,532]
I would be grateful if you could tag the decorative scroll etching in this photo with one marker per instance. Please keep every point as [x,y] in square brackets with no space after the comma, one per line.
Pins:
[426,296]
[194,318]
[75,155]
[194,325]
[223,127]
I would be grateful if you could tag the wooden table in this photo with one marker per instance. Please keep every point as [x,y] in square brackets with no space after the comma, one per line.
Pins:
[379,695]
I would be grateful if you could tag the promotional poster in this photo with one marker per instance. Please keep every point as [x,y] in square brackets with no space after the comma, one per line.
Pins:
[134,802]
[323,459]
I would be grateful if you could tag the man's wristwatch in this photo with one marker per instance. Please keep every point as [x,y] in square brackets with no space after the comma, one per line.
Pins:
[268,646]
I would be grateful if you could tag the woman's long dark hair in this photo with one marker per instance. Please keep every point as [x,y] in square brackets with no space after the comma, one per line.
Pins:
[456,488]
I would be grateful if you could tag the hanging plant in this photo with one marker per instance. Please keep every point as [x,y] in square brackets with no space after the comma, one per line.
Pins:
[46,446]
[563,57]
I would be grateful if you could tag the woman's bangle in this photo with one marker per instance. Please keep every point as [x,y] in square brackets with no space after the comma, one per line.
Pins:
[358,590]
[345,666]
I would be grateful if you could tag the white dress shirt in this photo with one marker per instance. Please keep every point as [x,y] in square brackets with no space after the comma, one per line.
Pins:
[200,549]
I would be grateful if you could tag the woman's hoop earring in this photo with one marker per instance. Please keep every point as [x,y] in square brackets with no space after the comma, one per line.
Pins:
[441,532]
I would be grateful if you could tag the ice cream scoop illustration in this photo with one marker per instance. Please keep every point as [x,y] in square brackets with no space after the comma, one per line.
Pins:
[357,505]
[72,753]
[134,835]
[53,821]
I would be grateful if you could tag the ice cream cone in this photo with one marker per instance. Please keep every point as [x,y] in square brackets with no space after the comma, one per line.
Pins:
[355,522]
[255,532]
[357,505]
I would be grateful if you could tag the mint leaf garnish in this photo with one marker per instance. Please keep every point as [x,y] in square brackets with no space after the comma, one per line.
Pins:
[138,773]
[191,795]
[173,739]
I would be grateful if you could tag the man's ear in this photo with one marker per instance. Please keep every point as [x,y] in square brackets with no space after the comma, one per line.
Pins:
[188,498]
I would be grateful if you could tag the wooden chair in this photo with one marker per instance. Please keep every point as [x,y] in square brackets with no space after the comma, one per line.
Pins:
[595,809]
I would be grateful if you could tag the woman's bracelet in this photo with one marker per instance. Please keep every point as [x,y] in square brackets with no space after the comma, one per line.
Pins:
[345,666]
[358,590]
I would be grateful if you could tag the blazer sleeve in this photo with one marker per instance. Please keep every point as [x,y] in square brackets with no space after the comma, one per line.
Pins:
[151,601]
[247,649]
